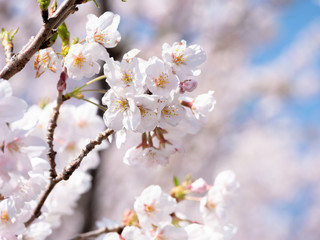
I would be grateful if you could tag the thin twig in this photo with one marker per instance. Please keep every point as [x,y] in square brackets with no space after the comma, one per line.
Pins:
[37,211]
[67,172]
[97,232]
[18,62]
[50,132]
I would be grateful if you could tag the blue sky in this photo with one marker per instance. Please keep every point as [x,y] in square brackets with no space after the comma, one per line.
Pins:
[293,19]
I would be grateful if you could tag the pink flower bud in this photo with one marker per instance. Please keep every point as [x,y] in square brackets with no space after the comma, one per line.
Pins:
[188,85]
[199,186]
[62,85]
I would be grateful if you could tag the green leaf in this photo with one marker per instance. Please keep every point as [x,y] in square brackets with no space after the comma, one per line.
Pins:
[176,181]
[13,34]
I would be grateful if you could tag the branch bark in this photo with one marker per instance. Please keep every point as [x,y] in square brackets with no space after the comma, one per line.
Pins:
[97,232]
[17,62]
[67,172]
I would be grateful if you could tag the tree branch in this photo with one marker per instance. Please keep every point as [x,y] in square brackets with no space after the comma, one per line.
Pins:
[37,211]
[51,128]
[67,172]
[97,232]
[18,61]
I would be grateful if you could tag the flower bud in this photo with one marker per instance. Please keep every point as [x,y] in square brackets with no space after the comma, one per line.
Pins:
[188,85]
[198,186]
[130,218]
[178,192]
[62,85]
[43,4]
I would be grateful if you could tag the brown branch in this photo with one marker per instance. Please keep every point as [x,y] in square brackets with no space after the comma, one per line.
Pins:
[67,172]
[18,61]
[37,211]
[97,232]
[50,132]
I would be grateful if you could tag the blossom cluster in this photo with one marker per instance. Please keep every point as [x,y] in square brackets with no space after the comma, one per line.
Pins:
[155,213]
[24,168]
[146,96]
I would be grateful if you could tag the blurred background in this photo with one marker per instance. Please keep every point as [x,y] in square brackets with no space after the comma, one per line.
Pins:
[263,64]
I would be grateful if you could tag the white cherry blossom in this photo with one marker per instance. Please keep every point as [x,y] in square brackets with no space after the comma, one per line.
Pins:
[184,60]
[214,205]
[125,74]
[103,29]
[154,207]
[81,60]
[45,59]
[17,150]
[147,105]
[111,236]
[172,112]
[134,233]
[227,182]
[10,223]
[199,186]
[169,232]
[11,108]
[122,111]
[203,232]
[202,105]
[160,79]
[148,157]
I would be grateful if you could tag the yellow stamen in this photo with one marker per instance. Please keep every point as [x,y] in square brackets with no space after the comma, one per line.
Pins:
[210,204]
[149,208]
[122,104]
[78,60]
[82,123]
[4,216]
[162,80]
[101,37]
[169,112]
[127,77]
[13,146]
[178,58]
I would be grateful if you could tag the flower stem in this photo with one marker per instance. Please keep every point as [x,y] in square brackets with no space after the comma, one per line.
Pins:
[92,81]
[97,105]
[95,90]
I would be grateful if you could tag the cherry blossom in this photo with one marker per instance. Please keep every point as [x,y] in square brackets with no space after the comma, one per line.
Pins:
[103,29]
[168,231]
[172,113]
[203,104]
[11,108]
[81,60]
[148,106]
[154,207]
[45,59]
[134,233]
[160,79]
[125,74]
[184,60]
[122,111]
[199,186]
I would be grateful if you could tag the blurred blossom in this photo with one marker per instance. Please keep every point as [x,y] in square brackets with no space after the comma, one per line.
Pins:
[261,127]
